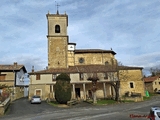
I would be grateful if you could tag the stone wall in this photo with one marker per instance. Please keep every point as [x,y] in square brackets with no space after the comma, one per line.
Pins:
[57,52]
[71,58]
[18,92]
[4,106]
[135,99]
[131,81]
[9,75]
[149,87]
[95,58]
[156,84]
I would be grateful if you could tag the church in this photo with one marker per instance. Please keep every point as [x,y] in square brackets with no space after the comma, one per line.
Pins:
[79,64]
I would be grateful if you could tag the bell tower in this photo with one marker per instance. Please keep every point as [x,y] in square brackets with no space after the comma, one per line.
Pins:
[57,40]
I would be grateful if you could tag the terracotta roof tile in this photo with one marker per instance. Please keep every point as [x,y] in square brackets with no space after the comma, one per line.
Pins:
[11,67]
[151,79]
[77,69]
[84,69]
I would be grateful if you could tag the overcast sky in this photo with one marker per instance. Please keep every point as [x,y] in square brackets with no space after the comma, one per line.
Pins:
[130,27]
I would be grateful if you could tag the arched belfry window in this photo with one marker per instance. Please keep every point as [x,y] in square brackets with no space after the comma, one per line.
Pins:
[106,63]
[57,29]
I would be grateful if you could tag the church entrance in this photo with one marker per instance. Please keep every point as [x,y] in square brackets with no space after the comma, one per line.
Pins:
[77,90]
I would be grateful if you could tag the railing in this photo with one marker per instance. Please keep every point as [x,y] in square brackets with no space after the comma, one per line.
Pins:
[72,102]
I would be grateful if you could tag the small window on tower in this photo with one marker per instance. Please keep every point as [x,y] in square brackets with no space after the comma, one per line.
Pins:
[57,29]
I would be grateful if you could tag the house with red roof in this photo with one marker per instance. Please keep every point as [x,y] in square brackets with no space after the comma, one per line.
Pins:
[152,83]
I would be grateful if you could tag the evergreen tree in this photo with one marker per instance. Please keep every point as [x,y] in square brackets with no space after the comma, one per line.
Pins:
[63,88]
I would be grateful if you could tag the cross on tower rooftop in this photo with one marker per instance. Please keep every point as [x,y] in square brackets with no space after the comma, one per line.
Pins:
[57,8]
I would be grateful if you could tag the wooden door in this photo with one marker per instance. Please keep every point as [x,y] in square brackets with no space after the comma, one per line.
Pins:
[38,92]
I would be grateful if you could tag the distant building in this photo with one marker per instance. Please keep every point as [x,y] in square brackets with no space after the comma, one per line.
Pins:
[13,76]
[152,84]
[79,64]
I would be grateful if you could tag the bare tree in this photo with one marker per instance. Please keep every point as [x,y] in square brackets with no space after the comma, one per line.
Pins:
[94,75]
[116,73]
[94,78]
[155,71]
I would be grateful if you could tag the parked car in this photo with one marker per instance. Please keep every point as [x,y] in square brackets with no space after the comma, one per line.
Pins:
[154,113]
[35,99]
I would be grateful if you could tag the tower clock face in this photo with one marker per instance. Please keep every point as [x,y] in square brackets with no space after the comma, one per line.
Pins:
[81,60]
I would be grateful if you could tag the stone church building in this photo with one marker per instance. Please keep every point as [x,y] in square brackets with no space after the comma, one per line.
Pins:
[79,64]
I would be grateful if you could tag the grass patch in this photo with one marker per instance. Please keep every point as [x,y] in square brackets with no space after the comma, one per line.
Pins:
[108,102]
[150,95]
[104,102]
[146,98]
[153,94]
[127,101]
[54,103]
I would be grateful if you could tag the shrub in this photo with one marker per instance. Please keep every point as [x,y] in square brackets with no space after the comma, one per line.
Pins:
[63,77]
[62,88]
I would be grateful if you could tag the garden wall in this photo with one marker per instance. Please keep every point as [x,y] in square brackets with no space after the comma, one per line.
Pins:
[4,105]
[135,99]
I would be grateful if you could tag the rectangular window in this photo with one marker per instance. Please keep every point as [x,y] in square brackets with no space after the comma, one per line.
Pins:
[81,75]
[155,83]
[38,76]
[54,77]
[131,85]
[159,83]
[105,76]
[2,76]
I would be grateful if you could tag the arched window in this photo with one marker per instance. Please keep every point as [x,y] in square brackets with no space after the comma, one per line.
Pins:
[106,63]
[57,29]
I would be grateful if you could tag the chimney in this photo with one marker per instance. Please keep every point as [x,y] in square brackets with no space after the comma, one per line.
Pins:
[15,64]
[32,68]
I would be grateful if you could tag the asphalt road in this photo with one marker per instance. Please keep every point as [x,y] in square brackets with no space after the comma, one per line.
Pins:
[22,110]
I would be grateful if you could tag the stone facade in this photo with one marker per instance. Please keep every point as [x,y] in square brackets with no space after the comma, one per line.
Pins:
[57,52]
[156,84]
[149,87]
[131,81]
[95,58]
[57,40]
[8,79]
